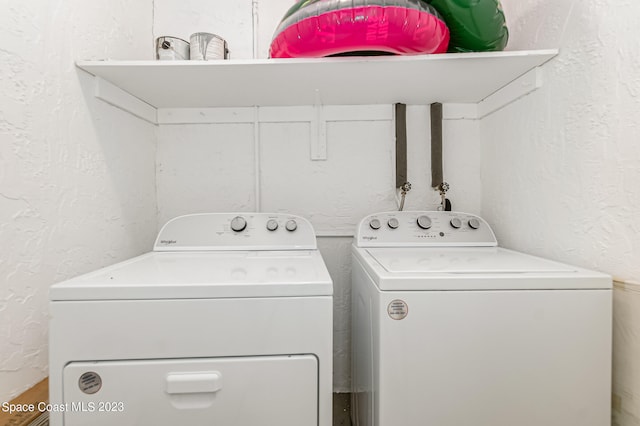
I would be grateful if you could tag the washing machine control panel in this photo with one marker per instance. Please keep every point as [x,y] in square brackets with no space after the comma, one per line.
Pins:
[424,228]
[236,231]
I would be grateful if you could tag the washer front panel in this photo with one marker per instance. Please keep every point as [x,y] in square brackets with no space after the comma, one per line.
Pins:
[492,358]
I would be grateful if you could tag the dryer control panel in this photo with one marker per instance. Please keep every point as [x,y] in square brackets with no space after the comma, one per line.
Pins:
[424,228]
[236,231]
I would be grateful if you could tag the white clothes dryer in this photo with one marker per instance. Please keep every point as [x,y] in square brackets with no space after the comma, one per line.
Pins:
[227,322]
[451,330]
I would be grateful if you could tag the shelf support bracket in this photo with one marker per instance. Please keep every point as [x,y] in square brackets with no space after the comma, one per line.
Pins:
[517,89]
[115,96]
[318,131]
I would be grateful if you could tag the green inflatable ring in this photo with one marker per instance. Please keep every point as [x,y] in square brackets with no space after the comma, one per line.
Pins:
[475,25]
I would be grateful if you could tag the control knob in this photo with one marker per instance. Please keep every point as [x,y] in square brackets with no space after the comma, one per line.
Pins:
[455,222]
[272,224]
[238,224]
[474,223]
[374,224]
[393,223]
[291,225]
[424,222]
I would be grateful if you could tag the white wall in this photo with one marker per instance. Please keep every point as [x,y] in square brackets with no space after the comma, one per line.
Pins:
[561,167]
[77,184]
[266,165]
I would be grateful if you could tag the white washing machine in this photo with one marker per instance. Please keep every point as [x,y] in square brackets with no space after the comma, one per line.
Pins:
[451,330]
[227,322]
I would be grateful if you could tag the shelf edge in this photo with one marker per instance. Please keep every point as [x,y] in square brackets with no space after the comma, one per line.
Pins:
[113,94]
[88,64]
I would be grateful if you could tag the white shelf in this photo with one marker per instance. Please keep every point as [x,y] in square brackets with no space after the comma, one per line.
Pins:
[447,78]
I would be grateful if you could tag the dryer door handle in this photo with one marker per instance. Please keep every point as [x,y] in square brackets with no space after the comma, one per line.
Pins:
[200,382]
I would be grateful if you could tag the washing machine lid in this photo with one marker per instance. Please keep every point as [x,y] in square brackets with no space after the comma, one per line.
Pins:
[471,268]
[199,275]
[471,260]
[443,250]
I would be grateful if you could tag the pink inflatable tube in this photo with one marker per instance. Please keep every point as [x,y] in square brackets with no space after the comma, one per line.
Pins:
[316,28]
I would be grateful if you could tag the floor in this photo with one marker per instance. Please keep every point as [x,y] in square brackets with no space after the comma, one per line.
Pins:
[341,409]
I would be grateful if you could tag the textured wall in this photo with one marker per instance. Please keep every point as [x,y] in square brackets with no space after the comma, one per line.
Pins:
[560,168]
[77,184]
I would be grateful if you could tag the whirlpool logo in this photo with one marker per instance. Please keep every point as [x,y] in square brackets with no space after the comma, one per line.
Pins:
[167,242]
[369,238]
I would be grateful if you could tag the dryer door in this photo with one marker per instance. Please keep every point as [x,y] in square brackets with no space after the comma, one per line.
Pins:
[242,391]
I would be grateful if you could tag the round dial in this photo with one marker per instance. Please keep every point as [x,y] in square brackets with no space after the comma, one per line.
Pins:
[455,222]
[474,223]
[393,223]
[238,224]
[291,225]
[424,222]
[374,224]
[272,224]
